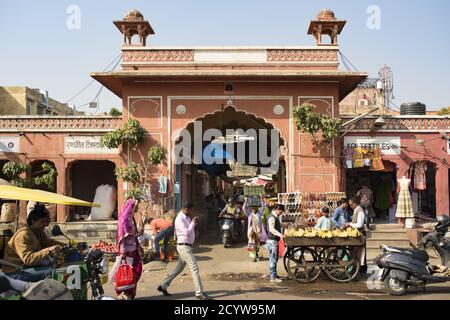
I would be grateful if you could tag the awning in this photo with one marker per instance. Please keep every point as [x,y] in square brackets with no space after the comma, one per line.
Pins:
[16,193]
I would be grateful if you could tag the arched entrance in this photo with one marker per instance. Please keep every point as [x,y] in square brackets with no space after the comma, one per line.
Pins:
[423,181]
[213,154]
[83,178]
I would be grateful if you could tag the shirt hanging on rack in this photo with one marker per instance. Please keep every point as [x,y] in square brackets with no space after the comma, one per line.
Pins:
[348,158]
[358,158]
[377,161]
[420,180]
[162,185]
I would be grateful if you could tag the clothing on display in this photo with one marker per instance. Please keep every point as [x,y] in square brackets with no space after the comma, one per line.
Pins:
[348,157]
[377,161]
[420,180]
[404,204]
[383,193]
[358,158]
[162,185]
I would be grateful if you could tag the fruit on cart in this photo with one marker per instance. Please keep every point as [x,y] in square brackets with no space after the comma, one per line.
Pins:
[310,232]
[105,247]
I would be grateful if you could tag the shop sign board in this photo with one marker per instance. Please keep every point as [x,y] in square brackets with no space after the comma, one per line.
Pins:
[86,145]
[10,144]
[388,145]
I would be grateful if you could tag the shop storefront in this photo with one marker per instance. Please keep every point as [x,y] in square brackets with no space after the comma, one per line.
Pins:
[414,147]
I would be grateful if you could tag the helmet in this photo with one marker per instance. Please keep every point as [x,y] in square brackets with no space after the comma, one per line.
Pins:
[443,223]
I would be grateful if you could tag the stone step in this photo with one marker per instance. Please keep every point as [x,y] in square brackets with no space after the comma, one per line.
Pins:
[390,226]
[88,226]
[90,241]
[382,235]
[395,243]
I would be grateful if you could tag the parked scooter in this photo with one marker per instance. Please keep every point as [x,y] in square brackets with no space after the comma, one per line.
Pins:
[401,268]
[230,229]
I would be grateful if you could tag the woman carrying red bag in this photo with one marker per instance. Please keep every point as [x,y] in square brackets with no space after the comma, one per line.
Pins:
[128,243]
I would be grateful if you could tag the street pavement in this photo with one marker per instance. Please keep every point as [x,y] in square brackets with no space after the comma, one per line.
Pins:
[229,274]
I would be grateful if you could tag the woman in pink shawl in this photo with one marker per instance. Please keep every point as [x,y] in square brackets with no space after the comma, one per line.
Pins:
[128,243]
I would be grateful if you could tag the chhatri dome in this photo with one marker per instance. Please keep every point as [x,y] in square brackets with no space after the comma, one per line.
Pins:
[133,15]
[326,15]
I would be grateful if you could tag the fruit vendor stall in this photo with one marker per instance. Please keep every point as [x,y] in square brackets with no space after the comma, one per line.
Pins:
[310,251]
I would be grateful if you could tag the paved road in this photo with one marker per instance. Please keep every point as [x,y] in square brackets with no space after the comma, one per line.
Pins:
[229,274]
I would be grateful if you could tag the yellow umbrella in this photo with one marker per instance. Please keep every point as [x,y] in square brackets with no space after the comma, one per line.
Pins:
[16,193]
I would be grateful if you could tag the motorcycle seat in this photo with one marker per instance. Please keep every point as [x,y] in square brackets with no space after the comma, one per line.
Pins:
[414,253]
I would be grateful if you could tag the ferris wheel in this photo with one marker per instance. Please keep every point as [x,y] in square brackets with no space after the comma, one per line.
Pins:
[387,84]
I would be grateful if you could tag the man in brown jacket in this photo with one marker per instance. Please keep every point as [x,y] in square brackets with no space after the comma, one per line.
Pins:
[30,249]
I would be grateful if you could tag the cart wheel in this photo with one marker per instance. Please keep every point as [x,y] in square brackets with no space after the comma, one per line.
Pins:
[341,264]
[302,265]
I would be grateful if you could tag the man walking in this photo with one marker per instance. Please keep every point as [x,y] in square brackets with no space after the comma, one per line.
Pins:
[273,240]
[359,216]
[185,232]
[162,230]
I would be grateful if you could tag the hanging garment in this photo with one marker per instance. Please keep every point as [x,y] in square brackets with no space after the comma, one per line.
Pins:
[358,158]
[377,161]
[348,158]
[162,185]
[404,204]
[367,155]
[420,180]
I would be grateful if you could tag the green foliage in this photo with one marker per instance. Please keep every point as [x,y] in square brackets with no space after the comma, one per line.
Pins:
[132,173]
[134,193]
[114,112]
[309,121]
[132,133]
[156,155]
[444,111]
[13,170]
[48,178]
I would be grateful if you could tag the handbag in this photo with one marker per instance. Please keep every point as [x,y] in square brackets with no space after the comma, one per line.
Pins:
[125,278]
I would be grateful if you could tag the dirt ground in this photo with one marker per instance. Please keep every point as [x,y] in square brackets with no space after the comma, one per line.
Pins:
[228,273]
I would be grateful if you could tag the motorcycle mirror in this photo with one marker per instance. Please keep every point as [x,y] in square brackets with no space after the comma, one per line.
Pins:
[56,231]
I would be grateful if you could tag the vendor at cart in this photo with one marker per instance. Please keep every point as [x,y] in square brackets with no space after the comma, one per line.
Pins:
[358,221]
[30,249]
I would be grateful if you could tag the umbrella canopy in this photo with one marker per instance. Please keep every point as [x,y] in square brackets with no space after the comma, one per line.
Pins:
[256,182]
[16,193]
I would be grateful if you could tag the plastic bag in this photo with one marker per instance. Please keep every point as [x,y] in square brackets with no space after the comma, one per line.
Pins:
[115,267]
[125,277]
[106,196]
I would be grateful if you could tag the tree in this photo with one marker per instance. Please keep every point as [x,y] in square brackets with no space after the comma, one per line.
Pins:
[138,174]
[13,170]
[444,111]
[114,112]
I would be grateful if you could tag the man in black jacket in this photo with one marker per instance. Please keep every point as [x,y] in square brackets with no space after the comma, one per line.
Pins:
[273,240]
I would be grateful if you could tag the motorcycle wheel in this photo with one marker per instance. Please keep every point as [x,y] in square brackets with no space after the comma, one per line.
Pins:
[225,242]
[394,286]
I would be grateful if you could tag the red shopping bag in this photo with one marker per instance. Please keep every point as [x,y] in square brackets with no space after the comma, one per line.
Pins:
[125,278]
[281,248]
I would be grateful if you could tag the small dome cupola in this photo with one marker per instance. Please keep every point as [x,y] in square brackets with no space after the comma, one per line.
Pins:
[134,24]
[326,23]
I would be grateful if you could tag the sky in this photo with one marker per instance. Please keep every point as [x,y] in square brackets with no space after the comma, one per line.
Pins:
[44,46]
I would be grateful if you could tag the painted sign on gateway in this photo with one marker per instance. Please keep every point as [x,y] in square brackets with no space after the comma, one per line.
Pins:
[388,145]
[86,145]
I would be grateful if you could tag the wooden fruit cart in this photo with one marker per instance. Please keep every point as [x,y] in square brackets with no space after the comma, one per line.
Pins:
[306,258]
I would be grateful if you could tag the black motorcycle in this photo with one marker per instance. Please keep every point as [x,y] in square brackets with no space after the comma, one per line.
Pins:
[402,268]
[230,229]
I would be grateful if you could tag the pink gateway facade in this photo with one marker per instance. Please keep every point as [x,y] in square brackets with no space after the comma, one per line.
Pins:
[168,89]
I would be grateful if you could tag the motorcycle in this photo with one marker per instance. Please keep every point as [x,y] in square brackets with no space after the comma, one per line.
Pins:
[80,267]
[402,268]
[230,230]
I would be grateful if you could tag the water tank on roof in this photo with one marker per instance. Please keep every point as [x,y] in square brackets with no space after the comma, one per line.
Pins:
[413,109]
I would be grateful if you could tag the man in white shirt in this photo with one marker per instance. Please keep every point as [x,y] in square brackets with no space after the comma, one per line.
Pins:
[358,221]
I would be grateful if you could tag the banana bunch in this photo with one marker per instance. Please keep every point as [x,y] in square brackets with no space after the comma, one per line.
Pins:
[339,233]
[352,232]
[310,233]
[324,234]
[296,233]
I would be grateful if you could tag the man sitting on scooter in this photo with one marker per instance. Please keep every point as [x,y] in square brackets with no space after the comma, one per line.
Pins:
[31,249]
[232,210]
